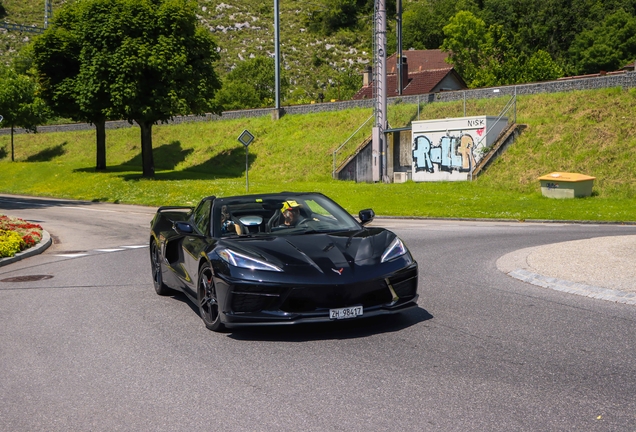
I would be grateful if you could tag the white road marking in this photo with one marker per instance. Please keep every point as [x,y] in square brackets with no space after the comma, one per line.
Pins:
[119,249]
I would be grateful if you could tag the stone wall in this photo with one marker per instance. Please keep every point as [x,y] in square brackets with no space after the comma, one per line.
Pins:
[625,80]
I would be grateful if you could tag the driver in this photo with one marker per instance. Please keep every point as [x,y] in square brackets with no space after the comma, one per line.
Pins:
[227,225]
[291,213]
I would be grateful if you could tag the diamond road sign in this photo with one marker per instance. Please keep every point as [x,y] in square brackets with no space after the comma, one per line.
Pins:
[246,138]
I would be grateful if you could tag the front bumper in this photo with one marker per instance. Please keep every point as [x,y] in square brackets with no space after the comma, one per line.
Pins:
[246,303]
[233,320]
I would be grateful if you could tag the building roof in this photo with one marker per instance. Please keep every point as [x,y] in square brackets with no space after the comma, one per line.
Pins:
[419,60]
[418,83]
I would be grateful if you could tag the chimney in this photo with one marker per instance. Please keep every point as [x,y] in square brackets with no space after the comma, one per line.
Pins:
[405,73]
[367,76]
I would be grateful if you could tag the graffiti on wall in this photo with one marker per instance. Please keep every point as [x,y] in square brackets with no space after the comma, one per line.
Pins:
[451,153]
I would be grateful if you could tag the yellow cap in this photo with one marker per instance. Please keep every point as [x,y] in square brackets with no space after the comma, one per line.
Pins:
[289,204]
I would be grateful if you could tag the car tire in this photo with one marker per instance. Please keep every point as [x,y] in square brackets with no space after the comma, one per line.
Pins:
[157,277]
[207,300]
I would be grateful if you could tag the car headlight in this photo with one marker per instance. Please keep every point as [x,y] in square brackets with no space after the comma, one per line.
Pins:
[239,260]
[395,249]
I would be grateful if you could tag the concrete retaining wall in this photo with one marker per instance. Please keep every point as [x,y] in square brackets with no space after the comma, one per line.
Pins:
[625,80]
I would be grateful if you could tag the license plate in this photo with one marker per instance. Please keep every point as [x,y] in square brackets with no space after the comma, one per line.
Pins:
[344,313]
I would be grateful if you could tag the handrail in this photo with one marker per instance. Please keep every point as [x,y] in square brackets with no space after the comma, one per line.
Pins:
[335,152]
[510,104]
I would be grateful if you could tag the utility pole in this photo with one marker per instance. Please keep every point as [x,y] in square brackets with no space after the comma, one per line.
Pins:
[398,57]
[277,113]
[379,85]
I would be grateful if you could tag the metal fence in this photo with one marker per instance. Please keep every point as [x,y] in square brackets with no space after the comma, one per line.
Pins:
[624,80]
[21,28]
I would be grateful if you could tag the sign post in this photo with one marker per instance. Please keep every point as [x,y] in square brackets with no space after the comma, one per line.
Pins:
[246,139]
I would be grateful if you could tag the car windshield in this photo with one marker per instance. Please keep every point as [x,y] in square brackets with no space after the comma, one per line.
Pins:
[280,214]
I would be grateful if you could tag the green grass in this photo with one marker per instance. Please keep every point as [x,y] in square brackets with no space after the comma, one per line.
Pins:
[591,132]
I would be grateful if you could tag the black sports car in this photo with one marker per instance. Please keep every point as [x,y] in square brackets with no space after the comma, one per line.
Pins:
[282,258]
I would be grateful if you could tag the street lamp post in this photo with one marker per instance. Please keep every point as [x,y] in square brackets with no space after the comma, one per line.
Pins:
[277,58]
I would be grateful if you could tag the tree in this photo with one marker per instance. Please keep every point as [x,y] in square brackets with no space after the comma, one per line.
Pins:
[608,46]
[19,105]
[485,56]
[468,42]
[332,15]
[68,82]
[540,67]
[142,60]
[423,21]
[160,62]
[251,84]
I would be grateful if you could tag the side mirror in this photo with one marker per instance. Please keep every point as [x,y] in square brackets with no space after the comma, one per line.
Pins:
[366,216]
[183,228]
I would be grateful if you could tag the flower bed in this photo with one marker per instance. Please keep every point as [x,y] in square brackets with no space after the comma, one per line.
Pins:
[17,234]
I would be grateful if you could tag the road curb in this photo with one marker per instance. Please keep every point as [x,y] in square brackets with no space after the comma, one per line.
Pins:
[574,287]
[43,245]
[516,265]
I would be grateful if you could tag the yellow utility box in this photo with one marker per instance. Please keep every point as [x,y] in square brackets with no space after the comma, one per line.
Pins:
[566,185]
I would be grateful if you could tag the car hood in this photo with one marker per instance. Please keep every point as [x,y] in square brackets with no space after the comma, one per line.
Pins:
[322,252]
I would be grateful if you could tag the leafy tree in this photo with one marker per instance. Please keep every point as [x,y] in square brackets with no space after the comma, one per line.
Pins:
[467,41]
[160,61]
[423,21]
[19,105]
[552,25]
[332,15]
[142,60]
[236,95]
[486,57]
[608,46]
[342,85]
[251,84]
[67,79]
[540,67]
[421,29]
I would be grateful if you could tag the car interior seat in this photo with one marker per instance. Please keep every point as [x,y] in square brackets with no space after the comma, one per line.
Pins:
[275,220]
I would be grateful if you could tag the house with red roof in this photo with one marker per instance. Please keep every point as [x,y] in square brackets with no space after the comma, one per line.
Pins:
[423,71]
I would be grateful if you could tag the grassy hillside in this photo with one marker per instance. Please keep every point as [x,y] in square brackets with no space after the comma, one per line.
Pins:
[591,132]
[243,29]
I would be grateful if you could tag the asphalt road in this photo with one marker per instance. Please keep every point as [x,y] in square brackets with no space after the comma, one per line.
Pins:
[86,344]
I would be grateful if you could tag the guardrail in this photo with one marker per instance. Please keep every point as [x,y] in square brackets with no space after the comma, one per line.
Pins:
[335,152]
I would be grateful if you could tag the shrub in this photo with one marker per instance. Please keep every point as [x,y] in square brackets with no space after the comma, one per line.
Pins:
[10,243]
[29,234]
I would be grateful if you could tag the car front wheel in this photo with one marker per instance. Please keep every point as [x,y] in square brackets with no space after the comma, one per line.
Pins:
[208,303]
